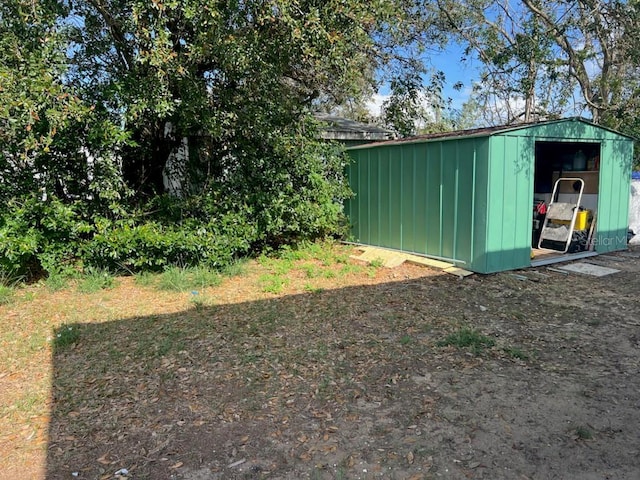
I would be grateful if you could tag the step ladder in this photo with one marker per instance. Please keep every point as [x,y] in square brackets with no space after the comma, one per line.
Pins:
[561,217]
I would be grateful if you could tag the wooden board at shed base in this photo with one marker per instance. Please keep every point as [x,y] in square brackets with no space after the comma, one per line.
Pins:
[392,258]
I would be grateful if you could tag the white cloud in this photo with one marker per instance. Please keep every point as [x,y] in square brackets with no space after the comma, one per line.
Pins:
[374,104]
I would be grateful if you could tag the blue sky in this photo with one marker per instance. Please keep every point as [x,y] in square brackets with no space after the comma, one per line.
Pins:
[449,61]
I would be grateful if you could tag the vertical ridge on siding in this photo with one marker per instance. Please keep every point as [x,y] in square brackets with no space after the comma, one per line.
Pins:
[441,202]
[456,193]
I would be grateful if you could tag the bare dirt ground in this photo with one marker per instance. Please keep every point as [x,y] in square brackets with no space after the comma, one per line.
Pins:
[338,376]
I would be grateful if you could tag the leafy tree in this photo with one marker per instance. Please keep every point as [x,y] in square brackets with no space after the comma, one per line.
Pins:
[45,128]
[517,83]
[596,44]
[538,53]
[415,107]
[112,88]
[238,72]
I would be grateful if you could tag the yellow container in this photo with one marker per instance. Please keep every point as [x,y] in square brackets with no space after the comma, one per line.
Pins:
[582,220]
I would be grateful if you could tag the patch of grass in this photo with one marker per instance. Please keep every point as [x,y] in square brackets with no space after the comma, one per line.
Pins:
[376,263]
[198,302]
[7,288]
[28,404]
[203,277]
[177,279]
[311,270]
[516,352]
[468,338]
[95,280]
[6,294]
[405,340]
[349,269]
[174,279]
[312,289]
[342,258]
[65,336]
[278,266]
[236,268]
[273,283]
[322,252]
[294,253]
[249,358]
[56,282]
[584,433]
[37,342]
[329,273]
[145,279]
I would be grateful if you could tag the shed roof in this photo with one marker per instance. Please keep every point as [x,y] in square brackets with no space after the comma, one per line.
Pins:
[339,128]
[486,132]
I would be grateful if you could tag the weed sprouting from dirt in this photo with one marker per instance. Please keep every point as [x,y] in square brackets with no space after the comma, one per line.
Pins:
[311,270]
[312,289]
[376,263]
[184,279]
[7,288]
[96,279]
[236,269]
[6,293]
[198,302]
[516,352]
[145,279]
[273,283]
[57,281]
[468,338]
[583,433]
[65,336]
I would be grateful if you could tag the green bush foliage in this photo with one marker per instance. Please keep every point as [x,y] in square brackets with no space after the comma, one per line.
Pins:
[38,236]
[151,246]
[87,139]
[48,237]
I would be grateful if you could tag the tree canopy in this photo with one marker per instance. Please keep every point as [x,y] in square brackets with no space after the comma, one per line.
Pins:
[98,97]
[546,59]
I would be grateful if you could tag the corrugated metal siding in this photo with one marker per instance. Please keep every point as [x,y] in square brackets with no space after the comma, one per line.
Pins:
[418,197]
[470,199]
[510,197]
[616,156]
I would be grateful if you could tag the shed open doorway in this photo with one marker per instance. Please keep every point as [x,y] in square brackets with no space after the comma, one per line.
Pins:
[554,161]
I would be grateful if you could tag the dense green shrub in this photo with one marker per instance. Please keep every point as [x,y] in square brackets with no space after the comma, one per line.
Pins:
[293,195]
[152,246]
[39,236]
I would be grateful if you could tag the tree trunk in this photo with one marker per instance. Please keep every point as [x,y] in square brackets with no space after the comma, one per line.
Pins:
[143,167]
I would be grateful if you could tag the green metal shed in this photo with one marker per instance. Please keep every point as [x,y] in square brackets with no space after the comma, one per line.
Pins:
[469,196]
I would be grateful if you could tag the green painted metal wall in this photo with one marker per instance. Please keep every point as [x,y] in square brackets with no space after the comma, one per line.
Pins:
[613,206]
[509,204]
[469,199]
[517,155]
[427,198]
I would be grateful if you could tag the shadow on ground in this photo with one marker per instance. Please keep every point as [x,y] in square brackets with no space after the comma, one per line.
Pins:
[352,383]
